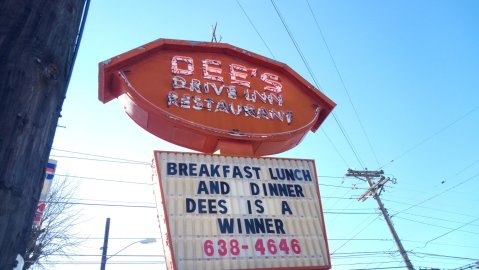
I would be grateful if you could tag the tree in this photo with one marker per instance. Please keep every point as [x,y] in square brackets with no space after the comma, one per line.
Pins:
[38,44]
[55,235]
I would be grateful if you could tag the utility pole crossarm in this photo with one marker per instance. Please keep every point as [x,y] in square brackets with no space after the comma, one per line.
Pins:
[354,173]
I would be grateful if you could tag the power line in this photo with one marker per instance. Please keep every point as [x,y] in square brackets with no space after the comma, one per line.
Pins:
[360,239]
[348,140]
[303,58]
[349,240]
[117,255]
[349,213]
[451,231]
[430,208]
[441,256]
[404,240]
[460,171]
[343,84]
[366,253]
[109,262]
[112,201]
[298,49]
[423,141]
[439,194]
[104,160]
[350,209]
[104,179]
[114,238]
[335,148]
[100,156]
[391,267]
[332,177]
[450,245]
[255,29]
[354,188]
[435,225]
[435,218]
[358,263]
[103,204]
[339,198]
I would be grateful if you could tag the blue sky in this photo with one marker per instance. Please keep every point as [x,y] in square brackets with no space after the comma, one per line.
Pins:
[404,75]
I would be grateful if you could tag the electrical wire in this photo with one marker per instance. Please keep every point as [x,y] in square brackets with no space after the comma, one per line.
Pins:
[335,148]
[298,49]
[255,29]
[109,262]
[114,238]
[332,177]
[348,140]
[360,231]
[367,253]
[391,267]
[438,226]
[103,160]
[429,208]
[352,187]
[425,140]
[113,201]
[102,204]
[435,218]
[415,253]
[343,84]
[451,231]
[358,263]
[104,179]
[438,194]
[358,239]
[349,213]
[459,172]
[100,156]
[99,255]
[336,197]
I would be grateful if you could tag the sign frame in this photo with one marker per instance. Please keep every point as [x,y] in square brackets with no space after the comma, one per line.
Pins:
[163,215]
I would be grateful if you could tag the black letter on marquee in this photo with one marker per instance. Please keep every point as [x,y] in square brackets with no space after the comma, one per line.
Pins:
[190,205]
[259,206]
[224,209]
[171,168]
[182,169]
[285,208]
[226,225]
[254,188]
[202,188]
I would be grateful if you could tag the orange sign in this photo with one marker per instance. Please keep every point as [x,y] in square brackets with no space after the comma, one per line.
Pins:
[209,96]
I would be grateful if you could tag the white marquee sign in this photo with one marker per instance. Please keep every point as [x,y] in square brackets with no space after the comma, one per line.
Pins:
[221,212]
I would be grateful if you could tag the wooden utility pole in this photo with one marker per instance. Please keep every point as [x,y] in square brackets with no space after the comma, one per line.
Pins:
[38,44]
[373,192]
[105,245]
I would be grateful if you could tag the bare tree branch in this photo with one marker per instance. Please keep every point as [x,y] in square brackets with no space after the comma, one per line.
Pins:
[55,235]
